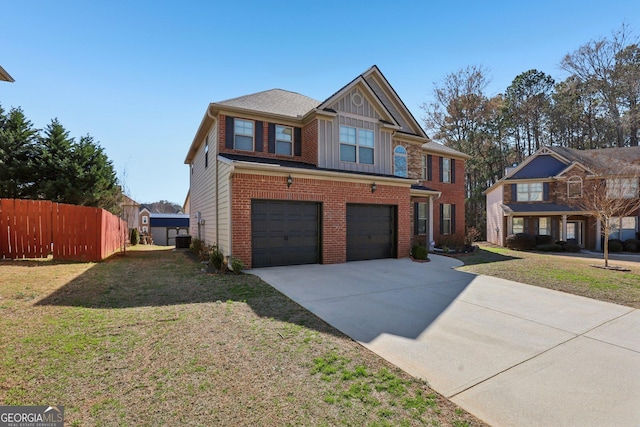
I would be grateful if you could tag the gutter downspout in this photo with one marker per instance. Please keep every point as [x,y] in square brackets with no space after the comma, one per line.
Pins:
[216,178]
[229,207]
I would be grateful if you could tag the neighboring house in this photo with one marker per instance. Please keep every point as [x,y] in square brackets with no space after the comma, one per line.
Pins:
[187,203]
[130,209]
[278,178]
[165,228]
[144,220]
[541,195]
[4,76]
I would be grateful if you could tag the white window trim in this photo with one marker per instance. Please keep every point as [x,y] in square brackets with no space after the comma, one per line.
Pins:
[529,192]
[424,219]
[357,144]
[446,219]
[446,171]
[574,180]
[423,172]
[287,142]
[253,134]
[406,161]
[622,188]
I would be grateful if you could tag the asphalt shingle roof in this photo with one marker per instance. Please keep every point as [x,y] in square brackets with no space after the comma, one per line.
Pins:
[614,160]
[274,101]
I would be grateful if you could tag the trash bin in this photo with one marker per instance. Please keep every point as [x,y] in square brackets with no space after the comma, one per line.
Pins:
[183,241]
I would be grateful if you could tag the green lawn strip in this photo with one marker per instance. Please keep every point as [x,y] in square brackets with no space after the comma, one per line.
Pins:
[149,339]
[577,276]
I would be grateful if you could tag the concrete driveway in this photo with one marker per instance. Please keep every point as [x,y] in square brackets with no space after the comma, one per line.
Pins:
[509,353]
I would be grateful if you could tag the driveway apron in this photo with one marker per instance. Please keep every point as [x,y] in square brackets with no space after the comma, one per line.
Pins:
[509,353]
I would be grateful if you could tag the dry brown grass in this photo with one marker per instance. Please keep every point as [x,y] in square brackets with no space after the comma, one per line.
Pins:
[563,272]
[150,339]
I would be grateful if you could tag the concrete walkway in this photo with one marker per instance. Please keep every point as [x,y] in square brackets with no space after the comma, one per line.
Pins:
[509,353]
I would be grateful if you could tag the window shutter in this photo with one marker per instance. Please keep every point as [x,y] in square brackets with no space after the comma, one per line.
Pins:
[554,228]
[525,228]
[297,141]
[259,136]
[429,168]
[453,219]
[453,171]
[441,218]
[415,218]
[271,138]
[514,192]
[441,174]
[545,191]
[536,226]
[230,132]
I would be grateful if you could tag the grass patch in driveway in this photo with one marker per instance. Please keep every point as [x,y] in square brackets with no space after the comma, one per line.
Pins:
[149,339]
[569,274]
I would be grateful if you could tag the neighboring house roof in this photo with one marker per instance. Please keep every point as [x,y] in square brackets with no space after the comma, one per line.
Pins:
[274,101]
[539,207]
[128,201]
[5,76]
[542,166]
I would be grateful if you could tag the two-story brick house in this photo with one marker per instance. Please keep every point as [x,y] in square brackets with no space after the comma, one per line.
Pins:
[542,196]
[278,178]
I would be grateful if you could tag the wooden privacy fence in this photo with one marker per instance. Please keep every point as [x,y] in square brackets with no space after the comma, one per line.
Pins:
[37,228]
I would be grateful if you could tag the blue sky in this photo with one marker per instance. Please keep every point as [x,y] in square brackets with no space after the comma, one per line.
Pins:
[138,75]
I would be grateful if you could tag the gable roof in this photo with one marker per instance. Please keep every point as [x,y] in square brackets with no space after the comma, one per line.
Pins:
[443,149]
[274,101]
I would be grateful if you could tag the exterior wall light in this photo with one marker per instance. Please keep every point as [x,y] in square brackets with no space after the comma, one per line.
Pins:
[289,181]
[374,187]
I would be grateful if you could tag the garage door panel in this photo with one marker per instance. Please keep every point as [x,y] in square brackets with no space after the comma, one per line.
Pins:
[284,233]
[370,232]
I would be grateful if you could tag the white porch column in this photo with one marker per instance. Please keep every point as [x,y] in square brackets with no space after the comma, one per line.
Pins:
[563,232]
[598,235]
[430,231]
[509,225]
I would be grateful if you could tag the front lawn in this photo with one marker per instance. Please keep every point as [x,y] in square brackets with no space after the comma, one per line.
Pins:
[148,339]
[562,272]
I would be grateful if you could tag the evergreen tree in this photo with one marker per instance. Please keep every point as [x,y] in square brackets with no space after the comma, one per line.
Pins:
[18,155]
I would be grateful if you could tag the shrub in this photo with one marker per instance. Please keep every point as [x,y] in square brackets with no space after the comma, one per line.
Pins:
[572,247]
[135,237]
[216,259]
[420,252]
[550,247]
[236,265]
[631,245]
[543,239]
[615,245]
[521,241]
[472,236]
[196,246]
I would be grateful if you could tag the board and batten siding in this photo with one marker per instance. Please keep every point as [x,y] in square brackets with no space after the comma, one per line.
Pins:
[376,86]
[202,191]
[362,116]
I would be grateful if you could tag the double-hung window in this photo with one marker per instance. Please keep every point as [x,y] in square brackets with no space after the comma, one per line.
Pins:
[518,225]
[423,174]
[356,145]
[284,140]
[446,169]
[243,135]
[574,187]
[531,192]
[544,226]
[446,219]
[423,218]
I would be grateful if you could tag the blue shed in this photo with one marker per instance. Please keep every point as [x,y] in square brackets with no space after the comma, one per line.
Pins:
[165,227]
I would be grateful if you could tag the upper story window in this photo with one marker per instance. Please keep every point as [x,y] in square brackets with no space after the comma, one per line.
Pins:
[145,219]
[531,192]
[446,169]
[356,145]
[622,188]
[400,161]
[574,187]
[284,140]
[423,170]
[243,135]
